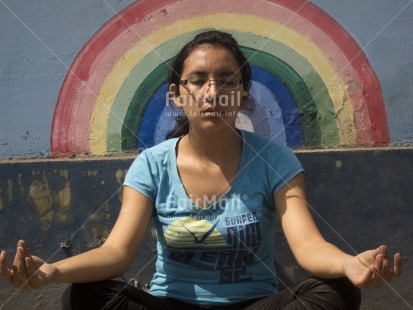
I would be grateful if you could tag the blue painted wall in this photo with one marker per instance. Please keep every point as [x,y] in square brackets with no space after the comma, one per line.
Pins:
[38,43]
[40,39]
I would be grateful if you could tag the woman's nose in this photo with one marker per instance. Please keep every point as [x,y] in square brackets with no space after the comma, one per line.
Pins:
[212,91]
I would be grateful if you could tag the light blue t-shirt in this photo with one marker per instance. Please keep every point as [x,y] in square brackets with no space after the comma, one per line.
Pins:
[224,253]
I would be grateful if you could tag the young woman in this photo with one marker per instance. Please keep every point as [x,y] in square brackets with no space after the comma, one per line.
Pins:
[214,193]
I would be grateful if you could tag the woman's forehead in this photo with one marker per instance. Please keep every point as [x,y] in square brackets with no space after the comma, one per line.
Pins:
[206,58]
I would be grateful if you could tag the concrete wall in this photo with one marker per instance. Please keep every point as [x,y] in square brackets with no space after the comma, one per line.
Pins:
[360,199]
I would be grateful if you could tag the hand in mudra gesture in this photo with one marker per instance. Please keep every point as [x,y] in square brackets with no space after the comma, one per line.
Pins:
[28,272]
[373,268]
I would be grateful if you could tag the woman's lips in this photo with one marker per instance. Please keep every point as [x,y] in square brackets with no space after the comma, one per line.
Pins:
[212,112]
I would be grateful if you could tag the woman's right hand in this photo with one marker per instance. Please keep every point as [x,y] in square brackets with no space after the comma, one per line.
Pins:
[110,260]
[28,272]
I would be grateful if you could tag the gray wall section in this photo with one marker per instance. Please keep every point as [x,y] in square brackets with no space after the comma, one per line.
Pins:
[360,199]
[40,39]
[383,29]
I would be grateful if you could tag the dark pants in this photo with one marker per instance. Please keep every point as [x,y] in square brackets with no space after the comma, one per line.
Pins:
[312,293]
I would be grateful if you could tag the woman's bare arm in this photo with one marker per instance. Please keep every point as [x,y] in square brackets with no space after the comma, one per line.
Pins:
[110,260]
[321,258]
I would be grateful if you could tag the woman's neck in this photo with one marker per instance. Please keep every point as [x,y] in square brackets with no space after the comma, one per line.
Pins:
[217,147]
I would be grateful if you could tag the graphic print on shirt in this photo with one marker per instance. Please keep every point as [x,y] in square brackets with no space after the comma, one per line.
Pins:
[199,244]
[190,232]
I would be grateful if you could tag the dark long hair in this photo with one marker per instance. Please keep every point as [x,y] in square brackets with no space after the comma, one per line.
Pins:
[215,38]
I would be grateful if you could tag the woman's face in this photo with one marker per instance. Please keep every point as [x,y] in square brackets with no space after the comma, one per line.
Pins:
[212,95]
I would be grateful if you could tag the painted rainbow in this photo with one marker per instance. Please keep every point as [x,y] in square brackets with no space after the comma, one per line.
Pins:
[312,83]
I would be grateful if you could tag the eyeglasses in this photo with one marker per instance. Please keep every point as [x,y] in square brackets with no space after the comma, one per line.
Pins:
[195,84]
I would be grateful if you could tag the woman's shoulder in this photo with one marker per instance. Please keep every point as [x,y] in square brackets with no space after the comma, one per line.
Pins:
[161,149]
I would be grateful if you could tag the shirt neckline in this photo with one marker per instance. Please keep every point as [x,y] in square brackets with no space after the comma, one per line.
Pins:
[177,182]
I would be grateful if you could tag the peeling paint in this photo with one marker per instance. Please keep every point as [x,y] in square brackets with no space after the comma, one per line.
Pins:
[100,215]
[62,217]
[9,190]
[40,193]
[120,177]
[42,197]
[98,221]
[65,194]
[94,217]
[21,187]
[97,242]
[49,216]
[92,173]
[99,233]
[46,198]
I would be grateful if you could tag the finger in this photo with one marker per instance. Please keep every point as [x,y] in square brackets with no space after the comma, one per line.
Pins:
[368,260]
[383,250]
[367,278]
[379,263]
[20,244]
[388,274]
[379,250]
[397,270]
[30,271]
[30,266]
[371,277]
[378,277]
[21,268]
[386,271]
[25,248]
[16,278]
[16,259]
[398,266]
[4,271]
[15,269]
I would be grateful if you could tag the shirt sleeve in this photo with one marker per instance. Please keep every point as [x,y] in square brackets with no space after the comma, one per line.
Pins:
[285,166]
[142,176]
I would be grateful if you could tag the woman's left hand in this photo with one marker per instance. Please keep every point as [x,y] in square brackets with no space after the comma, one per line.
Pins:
[373,268]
